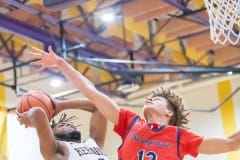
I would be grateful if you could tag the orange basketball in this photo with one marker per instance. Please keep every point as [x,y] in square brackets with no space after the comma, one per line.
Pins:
[36,99]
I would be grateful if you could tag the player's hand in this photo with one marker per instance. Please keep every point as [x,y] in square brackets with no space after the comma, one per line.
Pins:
[24,119]
[57,107]
[47,59]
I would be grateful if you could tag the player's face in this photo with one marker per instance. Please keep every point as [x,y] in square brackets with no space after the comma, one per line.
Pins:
[158,101]
[67,132]
[157,104]
[63,128]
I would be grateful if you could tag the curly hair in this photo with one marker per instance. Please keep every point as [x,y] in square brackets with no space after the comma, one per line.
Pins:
[175,104]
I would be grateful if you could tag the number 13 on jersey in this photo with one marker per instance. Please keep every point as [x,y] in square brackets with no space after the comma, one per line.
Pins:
[149,154]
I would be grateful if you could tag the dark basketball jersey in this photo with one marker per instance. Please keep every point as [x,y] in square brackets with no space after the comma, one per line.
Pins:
[141,142]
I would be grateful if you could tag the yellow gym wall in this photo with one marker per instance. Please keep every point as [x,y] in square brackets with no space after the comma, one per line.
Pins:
[220,123]
[3,123]
[227,113]
[204,95]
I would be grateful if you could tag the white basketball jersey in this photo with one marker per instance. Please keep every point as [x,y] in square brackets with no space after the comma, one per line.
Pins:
[87,150]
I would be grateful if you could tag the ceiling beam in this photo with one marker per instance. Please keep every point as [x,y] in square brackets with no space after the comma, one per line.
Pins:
[140,7]
[179,70]
[24,29]
[67,25]
[186,9]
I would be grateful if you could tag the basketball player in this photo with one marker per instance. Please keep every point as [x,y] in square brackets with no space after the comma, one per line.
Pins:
[61,140]
[159,135]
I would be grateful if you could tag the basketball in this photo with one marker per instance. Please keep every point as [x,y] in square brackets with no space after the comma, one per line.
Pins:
[36,99]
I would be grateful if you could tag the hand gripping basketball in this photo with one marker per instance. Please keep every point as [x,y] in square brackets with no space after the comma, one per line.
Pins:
[36,99]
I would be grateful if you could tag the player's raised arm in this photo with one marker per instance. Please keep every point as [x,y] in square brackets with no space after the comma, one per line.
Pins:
[37,118]
[105,104]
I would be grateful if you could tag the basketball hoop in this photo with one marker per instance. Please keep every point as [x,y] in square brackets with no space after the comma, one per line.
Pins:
[224,19]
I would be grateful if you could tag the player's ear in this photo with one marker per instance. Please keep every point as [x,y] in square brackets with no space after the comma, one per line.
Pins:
[169,113]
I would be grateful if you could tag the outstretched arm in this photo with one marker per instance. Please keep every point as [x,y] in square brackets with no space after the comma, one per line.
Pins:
[220,145]
[104,104]
[80,103]
[37,118]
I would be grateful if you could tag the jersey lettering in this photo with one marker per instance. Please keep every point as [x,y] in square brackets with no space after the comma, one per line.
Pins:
[91,150]
[148,142]
[149,154]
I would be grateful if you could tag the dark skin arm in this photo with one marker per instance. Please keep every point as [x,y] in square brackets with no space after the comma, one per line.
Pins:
[80,103]
[98,124]
[98,128]
[50,148]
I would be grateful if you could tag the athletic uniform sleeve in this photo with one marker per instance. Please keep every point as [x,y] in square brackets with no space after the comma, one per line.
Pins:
[190,142]
[125,118]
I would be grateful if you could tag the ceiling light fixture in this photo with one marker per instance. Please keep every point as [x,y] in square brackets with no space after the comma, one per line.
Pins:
[56,83]
[108,17]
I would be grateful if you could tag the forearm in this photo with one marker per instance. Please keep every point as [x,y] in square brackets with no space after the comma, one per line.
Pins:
[78,80]
[46,137]
[81,103]
[103,103]
[235,140]
[220,145]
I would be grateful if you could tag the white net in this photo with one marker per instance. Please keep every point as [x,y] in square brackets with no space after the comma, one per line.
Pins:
[224,19]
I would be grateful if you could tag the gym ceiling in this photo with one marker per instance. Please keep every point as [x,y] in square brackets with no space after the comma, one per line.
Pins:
[149,42]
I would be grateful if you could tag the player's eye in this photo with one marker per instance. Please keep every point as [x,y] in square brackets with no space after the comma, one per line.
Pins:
[60,125]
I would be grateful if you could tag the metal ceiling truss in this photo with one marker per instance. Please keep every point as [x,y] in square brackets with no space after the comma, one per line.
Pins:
[183,51]
[183,15]
[32,32]
[185,9]
[116,67]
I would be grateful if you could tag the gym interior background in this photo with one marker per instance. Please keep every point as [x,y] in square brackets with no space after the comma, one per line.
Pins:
[126,48]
